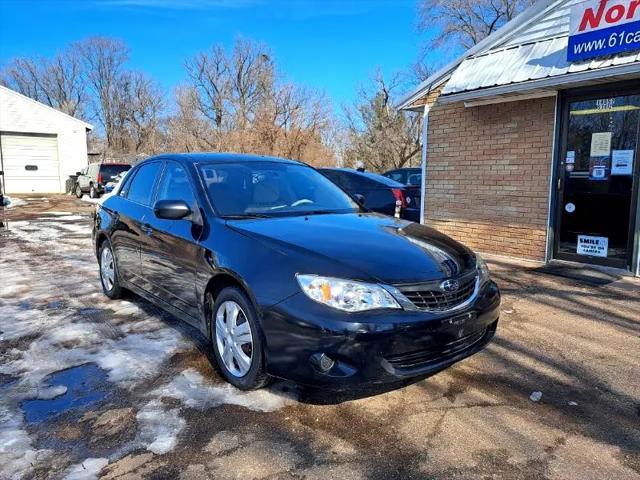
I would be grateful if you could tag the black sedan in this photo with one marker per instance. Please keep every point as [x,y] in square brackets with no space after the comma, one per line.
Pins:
[287,276]
[377,192]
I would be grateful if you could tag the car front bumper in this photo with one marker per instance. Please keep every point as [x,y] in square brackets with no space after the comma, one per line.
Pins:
[373,347]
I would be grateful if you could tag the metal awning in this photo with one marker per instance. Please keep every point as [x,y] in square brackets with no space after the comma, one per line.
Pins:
[524,64]
[526,57]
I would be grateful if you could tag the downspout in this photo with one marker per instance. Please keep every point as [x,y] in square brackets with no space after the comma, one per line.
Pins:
[2,186]
[425,136]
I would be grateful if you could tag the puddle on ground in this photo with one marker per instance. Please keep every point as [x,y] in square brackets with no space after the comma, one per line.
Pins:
[87,385]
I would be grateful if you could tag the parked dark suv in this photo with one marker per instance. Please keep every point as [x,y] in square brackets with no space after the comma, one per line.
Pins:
[93,179]
[287,276]
[379,193]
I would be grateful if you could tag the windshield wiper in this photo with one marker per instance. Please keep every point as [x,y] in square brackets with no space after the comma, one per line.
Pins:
[246,216]
[322,212]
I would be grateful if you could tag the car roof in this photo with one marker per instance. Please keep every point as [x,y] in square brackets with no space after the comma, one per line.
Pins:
[211,157]
[371,176]
[405,169]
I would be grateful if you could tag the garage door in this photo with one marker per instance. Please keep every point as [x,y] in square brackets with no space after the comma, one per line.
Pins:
[30,163]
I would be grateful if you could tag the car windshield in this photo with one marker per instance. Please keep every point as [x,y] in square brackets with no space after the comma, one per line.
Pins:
[256,189]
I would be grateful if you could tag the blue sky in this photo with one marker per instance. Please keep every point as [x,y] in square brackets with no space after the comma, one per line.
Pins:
[331,45]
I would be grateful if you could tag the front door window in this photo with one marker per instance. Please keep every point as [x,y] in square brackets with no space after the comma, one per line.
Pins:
[599,164]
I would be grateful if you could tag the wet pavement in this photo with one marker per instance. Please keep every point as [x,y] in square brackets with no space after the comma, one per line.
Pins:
[94,388]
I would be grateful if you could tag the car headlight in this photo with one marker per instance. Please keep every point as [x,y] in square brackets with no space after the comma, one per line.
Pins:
[346,295]
[482,268]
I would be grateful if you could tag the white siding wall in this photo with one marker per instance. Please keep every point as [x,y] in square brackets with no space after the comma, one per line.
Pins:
[21,114]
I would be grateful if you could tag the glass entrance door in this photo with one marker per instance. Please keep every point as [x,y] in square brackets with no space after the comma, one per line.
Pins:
[598,180]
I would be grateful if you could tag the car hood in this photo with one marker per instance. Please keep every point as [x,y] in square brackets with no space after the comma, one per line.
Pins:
[375,247]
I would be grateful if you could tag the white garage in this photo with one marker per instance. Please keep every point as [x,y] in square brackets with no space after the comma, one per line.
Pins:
[39,146]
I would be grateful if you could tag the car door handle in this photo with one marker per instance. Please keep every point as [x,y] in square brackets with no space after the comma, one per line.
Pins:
[147,229]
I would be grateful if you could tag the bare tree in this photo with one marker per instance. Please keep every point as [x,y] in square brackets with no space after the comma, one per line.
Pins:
[139,109]
[251,78]
[209,76]
[23,75]
[247,106]
[104,60]
[380,136]
[188,130]
[464,23]
[58,82]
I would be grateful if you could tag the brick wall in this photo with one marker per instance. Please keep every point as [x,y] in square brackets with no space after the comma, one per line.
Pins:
[488,175]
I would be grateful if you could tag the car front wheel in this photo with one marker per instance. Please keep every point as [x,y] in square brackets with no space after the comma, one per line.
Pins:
[237,340]
[109,272]
[93,192]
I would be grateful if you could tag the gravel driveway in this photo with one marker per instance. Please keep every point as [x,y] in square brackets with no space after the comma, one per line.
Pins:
[92,388]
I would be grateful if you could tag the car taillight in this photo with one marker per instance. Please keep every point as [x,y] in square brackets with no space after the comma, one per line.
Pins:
[399,196]
[99,179]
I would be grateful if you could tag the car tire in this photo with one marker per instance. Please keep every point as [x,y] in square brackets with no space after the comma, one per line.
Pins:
[231,360]
[78,191]
[109,271]
[93,192]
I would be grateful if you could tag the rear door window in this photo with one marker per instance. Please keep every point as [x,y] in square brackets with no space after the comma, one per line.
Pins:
[141,188]
[415,179]
[398,176]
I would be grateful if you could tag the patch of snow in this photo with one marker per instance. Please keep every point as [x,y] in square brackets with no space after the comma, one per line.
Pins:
[9,202]
[535,396]
[87,470]
[76,228]
[55,213]
[138,356]
[573,404]
[49,393]
[159,428]
[17,454]
[19,223]
[88,199]
[192,389]
[67,217]
[132,346]
[131,350]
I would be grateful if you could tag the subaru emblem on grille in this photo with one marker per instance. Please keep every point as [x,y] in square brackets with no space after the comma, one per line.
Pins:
[450,286]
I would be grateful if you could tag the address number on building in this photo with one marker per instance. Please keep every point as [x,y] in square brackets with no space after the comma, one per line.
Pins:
[593,246]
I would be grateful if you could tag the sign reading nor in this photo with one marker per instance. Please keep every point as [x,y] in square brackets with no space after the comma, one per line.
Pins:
[603,27]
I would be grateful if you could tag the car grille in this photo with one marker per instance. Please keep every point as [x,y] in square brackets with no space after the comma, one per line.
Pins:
[439,353]
[431,297]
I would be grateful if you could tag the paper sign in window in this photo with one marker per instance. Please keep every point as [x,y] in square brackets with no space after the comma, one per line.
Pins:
[601,144]
[599,168]
[622,162]
[593,246]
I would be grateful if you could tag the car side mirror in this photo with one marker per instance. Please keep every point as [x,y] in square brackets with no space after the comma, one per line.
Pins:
[78,174]
[171,209]
[359,199]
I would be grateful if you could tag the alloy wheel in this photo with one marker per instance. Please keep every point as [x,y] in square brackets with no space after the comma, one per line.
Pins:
[107,268]
[234,339]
